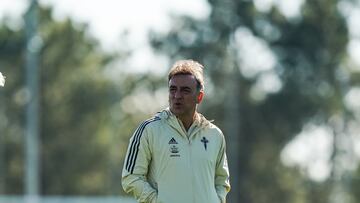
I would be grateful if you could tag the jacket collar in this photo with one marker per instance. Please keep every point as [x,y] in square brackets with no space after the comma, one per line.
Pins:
[200,120]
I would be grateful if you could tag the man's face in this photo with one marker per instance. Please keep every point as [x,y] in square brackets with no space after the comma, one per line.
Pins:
[183,95]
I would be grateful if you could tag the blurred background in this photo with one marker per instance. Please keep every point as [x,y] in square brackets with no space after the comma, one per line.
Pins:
[282,82]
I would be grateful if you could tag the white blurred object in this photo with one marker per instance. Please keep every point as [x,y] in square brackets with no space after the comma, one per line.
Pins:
[2,80]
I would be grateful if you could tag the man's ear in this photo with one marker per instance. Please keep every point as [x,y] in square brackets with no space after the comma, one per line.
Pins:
[200,97]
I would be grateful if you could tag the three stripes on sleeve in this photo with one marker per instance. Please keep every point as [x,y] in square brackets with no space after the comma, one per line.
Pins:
[134,146]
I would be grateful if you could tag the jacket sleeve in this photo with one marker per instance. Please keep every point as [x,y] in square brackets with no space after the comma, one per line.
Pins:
[222,175]
[135,168]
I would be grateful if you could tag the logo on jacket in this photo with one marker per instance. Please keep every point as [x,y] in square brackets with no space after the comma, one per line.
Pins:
[205,141]
[174,151]
[173,148]
[172,141]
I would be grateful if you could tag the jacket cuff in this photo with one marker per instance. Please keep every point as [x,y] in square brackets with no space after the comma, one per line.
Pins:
[221,192]
[148,195]
[153,197]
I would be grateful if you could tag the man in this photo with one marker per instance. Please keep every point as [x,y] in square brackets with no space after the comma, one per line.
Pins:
[178,156]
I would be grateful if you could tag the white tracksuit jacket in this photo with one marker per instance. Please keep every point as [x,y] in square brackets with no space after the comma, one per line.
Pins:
[166,164]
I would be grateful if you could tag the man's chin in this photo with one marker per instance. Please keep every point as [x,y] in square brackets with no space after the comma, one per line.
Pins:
[176,112]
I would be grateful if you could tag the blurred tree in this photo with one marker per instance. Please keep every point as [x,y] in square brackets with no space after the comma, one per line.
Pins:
[75,97]
[89,109]
[11,110]
[309,52]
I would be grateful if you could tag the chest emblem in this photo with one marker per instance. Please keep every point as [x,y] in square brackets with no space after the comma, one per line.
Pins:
[204,141]
[173,148]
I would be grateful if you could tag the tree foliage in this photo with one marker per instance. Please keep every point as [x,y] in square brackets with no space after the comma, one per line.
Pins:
[74,113]
[89,107]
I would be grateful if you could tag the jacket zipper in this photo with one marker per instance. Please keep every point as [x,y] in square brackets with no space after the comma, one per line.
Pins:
[190,170]
[184,133]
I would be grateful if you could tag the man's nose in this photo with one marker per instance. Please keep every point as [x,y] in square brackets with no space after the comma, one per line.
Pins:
[178,94]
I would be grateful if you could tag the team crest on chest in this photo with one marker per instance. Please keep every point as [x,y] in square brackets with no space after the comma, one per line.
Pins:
[205,142]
